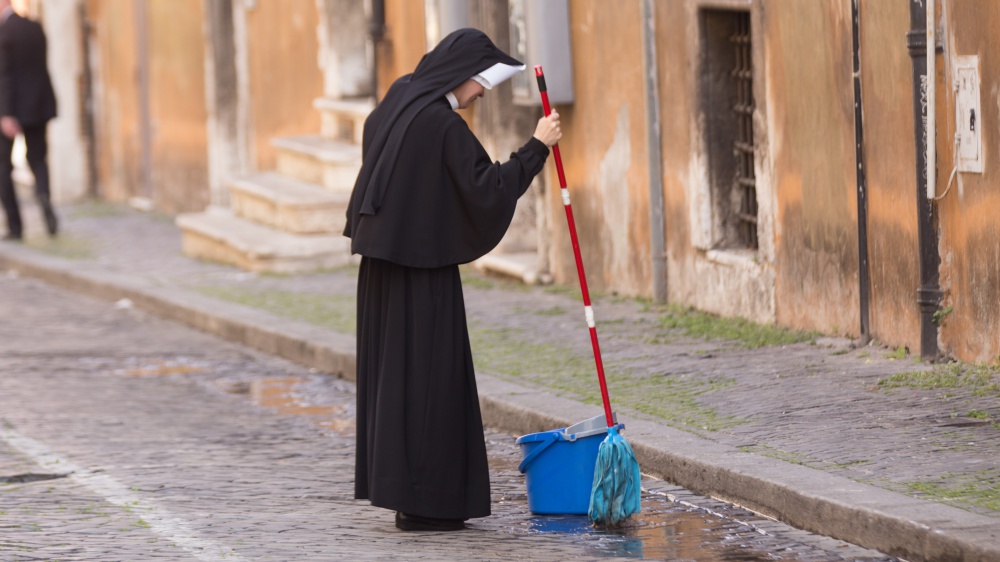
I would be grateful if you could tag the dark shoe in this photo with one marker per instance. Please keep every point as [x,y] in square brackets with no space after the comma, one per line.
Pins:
[51,222]
[10,236]
[408,522]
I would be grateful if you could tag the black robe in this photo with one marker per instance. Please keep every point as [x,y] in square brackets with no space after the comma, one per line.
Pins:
[420,446]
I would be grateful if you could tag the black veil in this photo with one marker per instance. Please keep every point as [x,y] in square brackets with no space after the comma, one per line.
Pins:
[459,56]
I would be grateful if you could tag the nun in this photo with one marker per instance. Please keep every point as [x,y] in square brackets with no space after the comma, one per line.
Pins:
[428,198]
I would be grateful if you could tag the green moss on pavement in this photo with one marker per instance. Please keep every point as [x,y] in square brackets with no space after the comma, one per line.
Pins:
[743,333]
[513,355]
[977,379]
[980,489]
[336,312]
[66,246]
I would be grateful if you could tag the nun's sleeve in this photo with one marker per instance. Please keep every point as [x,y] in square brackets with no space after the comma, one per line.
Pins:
[476,175]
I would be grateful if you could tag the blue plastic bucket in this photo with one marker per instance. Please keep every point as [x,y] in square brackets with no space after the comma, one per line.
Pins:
[558,466]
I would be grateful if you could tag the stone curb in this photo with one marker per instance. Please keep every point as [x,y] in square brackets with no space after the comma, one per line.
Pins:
[803,497]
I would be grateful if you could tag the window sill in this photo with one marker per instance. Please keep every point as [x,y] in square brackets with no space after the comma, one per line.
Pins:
[733,258]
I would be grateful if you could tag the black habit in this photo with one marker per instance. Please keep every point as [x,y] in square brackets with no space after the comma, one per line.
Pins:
[427,199]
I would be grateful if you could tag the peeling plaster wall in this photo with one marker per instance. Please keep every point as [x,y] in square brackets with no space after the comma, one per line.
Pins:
[811,111]
[887,86]
[970,228]
[726,282]
[606,168]
[343,48]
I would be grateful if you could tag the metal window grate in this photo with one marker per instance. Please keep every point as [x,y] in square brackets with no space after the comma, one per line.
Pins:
[744,182]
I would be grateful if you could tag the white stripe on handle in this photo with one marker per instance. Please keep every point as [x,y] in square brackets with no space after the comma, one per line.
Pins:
[589,312]
[565,196]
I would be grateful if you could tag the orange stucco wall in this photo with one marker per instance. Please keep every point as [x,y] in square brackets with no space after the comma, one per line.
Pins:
[676,108]
[404,44]
[604,152]
[887,86]
[285,77]
[970,229]
[112,40]
[811,116]
[177,114]
[179,143]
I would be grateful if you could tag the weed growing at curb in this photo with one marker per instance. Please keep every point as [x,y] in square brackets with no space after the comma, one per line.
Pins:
[898,353]
[977,379]
[980,488]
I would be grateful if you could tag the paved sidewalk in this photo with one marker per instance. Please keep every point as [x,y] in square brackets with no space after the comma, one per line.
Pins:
[858,443]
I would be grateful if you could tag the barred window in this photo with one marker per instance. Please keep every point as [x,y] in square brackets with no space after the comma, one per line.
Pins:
[728,105]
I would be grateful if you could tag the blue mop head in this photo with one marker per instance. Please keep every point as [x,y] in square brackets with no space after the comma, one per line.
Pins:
[617,488]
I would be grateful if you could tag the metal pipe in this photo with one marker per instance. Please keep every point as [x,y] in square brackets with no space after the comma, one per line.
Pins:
[654,154]
[864,275]
[931,102]
[929,293]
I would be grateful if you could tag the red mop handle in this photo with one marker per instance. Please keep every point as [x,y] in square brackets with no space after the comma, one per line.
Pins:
[576,253]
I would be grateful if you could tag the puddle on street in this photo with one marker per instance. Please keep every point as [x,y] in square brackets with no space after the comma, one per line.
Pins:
[664,531]
[674,524]
[161,367]
[291,396]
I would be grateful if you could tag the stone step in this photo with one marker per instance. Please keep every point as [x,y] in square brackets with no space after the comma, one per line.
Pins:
[344,119]
[522,266]
[288,204]
[315,159]
[218,235]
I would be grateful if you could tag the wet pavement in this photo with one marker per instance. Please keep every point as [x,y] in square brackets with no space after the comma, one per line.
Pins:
[127,437]
[866,443]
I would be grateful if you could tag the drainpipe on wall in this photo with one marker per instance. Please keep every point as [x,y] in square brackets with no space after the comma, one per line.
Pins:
[929,293]
[864,279]
[654,154]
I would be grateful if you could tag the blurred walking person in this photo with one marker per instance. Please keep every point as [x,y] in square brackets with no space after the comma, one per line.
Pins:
[27,103]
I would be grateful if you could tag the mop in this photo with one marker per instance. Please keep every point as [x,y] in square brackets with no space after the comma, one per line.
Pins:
[615,494]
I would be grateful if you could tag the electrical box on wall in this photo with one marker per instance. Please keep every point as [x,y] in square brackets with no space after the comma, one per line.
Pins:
[969,126]
[539,34]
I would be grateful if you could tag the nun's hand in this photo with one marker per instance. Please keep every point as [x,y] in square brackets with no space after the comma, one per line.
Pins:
[548,130]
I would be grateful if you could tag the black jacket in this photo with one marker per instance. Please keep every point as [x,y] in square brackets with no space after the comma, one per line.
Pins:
[25,88]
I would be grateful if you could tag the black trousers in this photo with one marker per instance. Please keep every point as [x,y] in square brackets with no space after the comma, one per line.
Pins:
[37,154]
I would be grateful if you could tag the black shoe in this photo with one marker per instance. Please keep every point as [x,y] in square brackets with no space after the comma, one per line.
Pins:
[408,522]
[51,222]
[10,236]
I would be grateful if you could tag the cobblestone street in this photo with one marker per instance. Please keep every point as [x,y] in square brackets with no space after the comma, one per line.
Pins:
[126,437]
